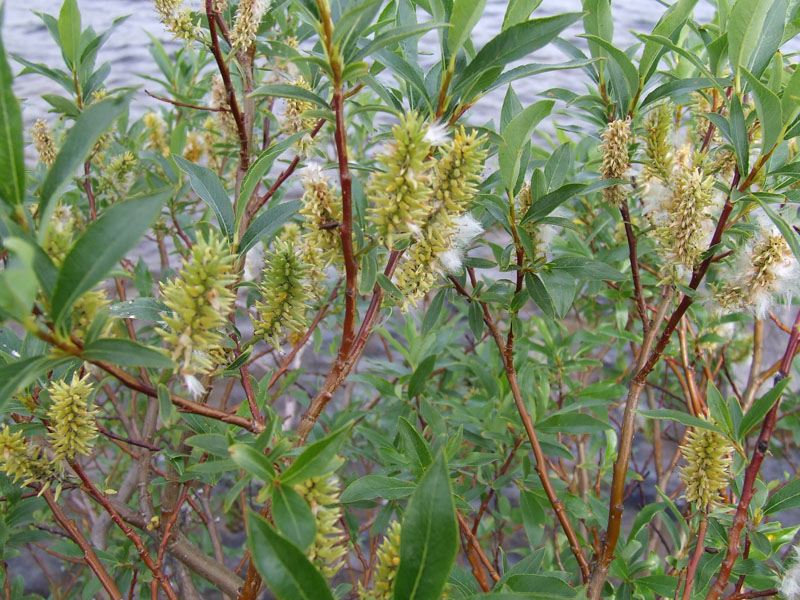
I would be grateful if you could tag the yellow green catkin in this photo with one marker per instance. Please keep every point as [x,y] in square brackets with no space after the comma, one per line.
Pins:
[388,555]
[615,161]
[400,192]
[21,460]
[177,19]
[328,549]
[285,293]
[72,422]
[44,142]
[118,176]
[446,231]
[707,471]
[157,138]
[199,301]
[658,144]
[246,21]
[322,212]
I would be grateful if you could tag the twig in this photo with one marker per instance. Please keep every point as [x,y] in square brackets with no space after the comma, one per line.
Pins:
[185,105]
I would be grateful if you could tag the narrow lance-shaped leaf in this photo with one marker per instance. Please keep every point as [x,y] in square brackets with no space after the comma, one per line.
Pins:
[207,185]
[101,246]
[429,539]
[93,122]
[12,167]
[287,571]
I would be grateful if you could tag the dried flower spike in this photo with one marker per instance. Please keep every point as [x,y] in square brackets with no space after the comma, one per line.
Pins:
[45,145]
[615,157]
[790,582]
[72,422]
[707,454]
[328,548]
[285,294]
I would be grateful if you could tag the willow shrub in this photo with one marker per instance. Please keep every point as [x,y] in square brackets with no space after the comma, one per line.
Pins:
[305,326]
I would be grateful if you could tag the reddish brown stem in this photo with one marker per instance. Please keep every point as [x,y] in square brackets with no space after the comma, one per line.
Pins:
[698,552]
[158,574]
[751,473]
[185,105]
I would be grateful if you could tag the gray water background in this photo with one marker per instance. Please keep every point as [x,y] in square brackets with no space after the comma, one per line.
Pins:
[127,49]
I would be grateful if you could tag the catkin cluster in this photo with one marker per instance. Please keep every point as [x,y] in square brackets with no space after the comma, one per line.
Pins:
[199,302]
[402,189]
[21,460]
[678,195]
[45,144]
[72,421]
[157,139]
[177,19]
[285,293]
[388,563]
[328,548]
[707,455]
[765,269]
[444,230]
[322,212]
[245,23]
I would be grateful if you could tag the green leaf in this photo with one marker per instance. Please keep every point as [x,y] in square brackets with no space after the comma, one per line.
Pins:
[761,407]
[598,22]
[515,135]
[287,571]
[739,135]
[786,498]
[545,587]
[69,30]
[18,281]
[674,88]
[463,18]
[19,374]
[433,312]
[786,231]
[769,111]
[429,538]
[541,207]
[416,448]
[93,122]
[518,11]
[376,486]
[101,246]
[286,90]
[207,185]
[293,516]
[12,165]
[420,376]
[258,169]
[127,353]
[669,26]
[679,417]
[267,224]
[587,269]
[539,294]
[755,32]
[561,287]
[514,43]
[212,443]
[252,461]
[394,34]
[475,319]
[572,422]
[624,76]
[662,585]
[316,459]
[146,309]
